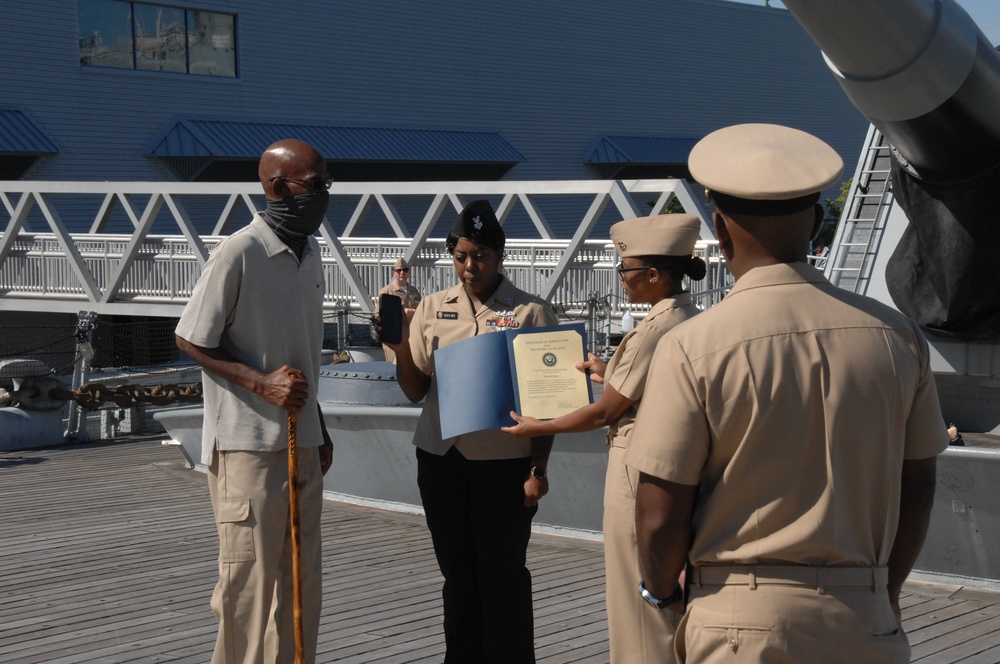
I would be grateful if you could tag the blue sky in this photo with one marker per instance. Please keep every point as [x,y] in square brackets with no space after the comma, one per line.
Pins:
[986,13]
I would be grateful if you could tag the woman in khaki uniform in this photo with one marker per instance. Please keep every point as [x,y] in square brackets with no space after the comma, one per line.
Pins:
[479,490]
[655,256]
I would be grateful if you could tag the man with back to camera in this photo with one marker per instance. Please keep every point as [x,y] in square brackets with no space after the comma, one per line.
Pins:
[259,347]
[792,465]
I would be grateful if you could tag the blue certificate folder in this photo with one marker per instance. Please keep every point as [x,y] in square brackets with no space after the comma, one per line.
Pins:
[477,379]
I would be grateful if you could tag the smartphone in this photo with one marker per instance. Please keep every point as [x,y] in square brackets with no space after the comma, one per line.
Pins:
[390,310]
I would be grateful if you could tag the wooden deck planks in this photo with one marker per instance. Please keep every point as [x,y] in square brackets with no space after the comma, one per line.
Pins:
[108,555]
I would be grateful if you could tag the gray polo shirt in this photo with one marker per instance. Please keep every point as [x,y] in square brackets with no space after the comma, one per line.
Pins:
[257,301]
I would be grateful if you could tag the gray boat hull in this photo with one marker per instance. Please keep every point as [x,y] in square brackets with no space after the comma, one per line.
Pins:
[374,463]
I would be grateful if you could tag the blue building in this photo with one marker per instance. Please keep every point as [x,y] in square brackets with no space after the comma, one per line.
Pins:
[399,90]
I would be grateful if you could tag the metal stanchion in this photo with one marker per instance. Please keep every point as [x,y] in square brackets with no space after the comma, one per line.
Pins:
[81,370]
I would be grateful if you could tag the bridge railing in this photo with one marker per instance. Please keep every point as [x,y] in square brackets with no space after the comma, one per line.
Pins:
[142,273]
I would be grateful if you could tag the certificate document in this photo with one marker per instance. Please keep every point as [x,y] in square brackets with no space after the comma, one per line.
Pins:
[529,371]
[547,382]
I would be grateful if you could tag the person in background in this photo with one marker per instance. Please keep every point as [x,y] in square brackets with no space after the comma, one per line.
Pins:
[255,324]
[400,287]
[480,491]
[788,439]
[655,255]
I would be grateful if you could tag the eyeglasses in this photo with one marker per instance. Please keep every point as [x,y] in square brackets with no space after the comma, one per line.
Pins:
[313,186]
[622,269]
[402,269]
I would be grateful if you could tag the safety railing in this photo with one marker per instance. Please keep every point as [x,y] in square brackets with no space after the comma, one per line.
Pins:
[138,272]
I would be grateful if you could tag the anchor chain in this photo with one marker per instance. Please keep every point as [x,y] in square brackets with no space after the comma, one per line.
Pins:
[92,395]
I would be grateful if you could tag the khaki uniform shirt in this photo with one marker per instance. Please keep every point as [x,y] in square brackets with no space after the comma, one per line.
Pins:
[792,404]
[258,302]
[410,297]
[446,317]
[629,366]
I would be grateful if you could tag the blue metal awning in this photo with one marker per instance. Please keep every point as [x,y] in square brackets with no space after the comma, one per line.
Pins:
[215,139]
[19,135]
[615,149]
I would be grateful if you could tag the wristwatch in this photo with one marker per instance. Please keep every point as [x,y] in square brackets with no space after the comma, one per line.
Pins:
[660,603]
[538,471]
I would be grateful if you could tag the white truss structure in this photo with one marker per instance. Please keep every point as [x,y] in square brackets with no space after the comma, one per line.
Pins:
[145,274]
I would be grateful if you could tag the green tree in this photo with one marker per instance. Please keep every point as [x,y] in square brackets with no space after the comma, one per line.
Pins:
[834,209]
[673,207]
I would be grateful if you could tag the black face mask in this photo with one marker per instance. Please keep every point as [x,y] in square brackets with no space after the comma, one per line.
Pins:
[295,218]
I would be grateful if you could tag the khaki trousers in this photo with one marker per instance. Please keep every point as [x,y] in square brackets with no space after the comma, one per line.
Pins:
[253,598]
[776,620]
[638,633]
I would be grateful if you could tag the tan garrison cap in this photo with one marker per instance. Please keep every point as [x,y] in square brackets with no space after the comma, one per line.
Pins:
[764,162]
[662,235]
[400,264]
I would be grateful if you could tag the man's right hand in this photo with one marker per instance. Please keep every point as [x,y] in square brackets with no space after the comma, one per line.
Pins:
[286,388]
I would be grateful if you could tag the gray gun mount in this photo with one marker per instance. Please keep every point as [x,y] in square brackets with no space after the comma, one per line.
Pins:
[924,74]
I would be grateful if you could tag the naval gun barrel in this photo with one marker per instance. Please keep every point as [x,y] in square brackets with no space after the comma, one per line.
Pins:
[923,73]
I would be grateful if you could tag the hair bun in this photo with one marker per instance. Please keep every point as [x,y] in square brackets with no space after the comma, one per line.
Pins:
[696,268]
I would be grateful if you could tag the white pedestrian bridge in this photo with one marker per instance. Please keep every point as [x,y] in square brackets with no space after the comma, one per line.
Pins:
[125,263]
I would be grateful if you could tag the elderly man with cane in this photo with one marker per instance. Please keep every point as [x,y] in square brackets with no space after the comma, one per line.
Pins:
[255,324]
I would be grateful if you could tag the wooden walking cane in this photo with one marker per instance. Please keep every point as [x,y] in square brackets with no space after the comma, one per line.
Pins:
[293,507]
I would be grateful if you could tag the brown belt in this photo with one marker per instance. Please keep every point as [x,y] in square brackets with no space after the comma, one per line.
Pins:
[790,575]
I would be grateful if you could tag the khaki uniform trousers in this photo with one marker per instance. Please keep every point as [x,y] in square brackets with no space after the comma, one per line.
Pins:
[253,599]
[781,615]
[638,633]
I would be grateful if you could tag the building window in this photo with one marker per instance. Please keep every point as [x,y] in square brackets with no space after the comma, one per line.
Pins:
[211,43]
[106,33]
[137,35]
[160,38]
